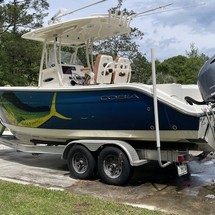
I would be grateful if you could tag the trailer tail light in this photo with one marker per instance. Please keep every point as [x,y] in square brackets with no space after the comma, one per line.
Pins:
[182,164]
[181,159]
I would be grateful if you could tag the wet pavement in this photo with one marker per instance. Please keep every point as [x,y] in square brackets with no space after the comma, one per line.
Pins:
[45,170]
[150,187]
[160,189]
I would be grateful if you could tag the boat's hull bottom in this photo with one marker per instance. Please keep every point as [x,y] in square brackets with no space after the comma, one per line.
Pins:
[57,136]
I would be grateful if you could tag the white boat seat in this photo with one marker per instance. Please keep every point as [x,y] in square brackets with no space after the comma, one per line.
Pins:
[103,69]
[122,71]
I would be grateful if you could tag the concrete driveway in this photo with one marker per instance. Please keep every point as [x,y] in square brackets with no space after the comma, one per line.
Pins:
[43,169]
[151,187]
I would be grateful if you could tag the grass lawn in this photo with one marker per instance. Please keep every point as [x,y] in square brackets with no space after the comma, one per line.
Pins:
[16,199]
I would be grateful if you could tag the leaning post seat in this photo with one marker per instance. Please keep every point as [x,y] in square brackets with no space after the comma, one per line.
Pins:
[103,69]
[122,70]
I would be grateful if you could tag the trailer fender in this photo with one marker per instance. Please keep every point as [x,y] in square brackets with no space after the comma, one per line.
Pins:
[94,145]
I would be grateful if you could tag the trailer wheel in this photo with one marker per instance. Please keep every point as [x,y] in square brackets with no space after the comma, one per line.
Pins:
[81,163]
[113,166]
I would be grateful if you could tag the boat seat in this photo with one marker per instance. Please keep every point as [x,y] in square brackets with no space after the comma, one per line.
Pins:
[103,69]
[122,71]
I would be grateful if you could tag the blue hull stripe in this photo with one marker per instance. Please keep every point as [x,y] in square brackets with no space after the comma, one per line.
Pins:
[96,110]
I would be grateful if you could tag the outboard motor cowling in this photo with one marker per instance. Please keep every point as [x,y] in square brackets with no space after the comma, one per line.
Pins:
[206,80]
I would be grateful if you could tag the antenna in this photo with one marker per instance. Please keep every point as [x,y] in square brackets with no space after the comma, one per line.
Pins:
[177,8]
[150,10]
[61,13]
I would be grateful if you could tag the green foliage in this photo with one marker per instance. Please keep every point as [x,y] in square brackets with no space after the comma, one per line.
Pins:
[121,45]
[141,68]
[16,15]
[173,67]
[193,65]
[20,58]
[182,69]
[125,45]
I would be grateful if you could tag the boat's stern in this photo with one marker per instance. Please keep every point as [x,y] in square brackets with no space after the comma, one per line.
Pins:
[207,128]
[206,84]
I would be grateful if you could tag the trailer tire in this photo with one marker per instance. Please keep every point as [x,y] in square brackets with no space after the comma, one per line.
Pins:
[81,163]
[113,166]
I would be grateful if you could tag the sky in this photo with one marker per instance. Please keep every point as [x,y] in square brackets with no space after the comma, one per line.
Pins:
[169,31]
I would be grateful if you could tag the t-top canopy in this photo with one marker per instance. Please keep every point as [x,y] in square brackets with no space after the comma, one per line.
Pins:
[78,31]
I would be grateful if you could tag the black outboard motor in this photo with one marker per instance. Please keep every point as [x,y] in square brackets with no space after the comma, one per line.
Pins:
[206,80]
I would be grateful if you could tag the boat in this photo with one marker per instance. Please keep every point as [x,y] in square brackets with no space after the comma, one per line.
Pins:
[98,101]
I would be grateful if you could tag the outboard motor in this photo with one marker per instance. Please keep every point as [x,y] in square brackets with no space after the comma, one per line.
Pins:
[206,80]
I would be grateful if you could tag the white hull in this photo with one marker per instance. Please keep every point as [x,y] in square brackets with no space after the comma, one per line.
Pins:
[63,135]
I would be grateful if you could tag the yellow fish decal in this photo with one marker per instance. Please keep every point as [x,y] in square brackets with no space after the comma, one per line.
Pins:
[31,119]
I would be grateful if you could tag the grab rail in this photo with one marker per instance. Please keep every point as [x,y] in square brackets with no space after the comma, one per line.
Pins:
[156,112]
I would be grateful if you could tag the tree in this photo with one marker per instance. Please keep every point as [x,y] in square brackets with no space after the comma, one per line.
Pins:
[20,58]
[181,69]
[172,69]
[121,45]
[193,64]
[125,45]
[193,53]
[141,68]
[23,14]
[1,19]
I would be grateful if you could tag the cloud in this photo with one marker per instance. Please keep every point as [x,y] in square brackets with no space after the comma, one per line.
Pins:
[172,30]
[196,15]
[169,32]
